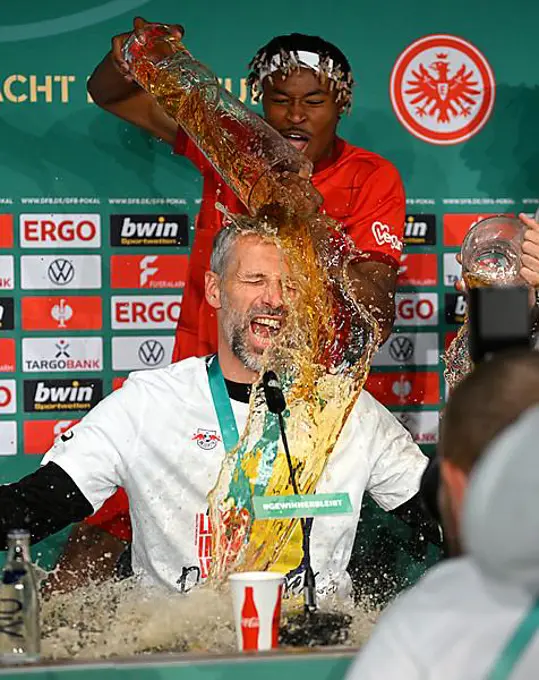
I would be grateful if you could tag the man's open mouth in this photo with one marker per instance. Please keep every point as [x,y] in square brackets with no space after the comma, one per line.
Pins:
[297,138]
[265,328]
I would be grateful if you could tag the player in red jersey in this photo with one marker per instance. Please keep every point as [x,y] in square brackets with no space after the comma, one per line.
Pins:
[306,86]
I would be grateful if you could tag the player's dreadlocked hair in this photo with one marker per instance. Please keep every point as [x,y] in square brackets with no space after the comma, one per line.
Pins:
[282,52]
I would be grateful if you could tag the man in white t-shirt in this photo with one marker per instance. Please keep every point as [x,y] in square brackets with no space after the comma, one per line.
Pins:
[456,622]
[159,438]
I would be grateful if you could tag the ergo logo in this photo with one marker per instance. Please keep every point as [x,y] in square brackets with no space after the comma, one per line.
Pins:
[47,231]
[410,309]
[141,312]
[149,311]
[416,308]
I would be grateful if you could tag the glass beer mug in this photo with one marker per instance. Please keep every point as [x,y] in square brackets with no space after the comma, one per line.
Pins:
[260,165]
[491,252]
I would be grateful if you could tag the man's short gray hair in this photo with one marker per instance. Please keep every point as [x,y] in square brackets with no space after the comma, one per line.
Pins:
[222,245]
[236,227]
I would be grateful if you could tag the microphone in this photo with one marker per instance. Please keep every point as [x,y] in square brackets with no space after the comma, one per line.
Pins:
[274,394]
[277,404]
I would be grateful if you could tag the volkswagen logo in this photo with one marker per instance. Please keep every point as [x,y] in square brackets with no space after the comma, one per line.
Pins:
[61,272]
[401,349]
[151,352]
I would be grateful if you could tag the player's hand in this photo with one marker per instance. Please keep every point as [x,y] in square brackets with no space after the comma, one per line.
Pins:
[300,193]
[529,269]
[139,25]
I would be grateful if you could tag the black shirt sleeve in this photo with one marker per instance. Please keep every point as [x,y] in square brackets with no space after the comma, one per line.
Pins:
[429,489]
[413,513]
[43,503]
[421,512]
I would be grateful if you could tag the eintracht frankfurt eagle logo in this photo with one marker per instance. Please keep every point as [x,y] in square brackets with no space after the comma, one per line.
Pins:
[442,89]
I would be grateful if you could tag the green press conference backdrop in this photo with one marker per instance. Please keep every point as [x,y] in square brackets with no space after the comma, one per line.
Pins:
[448,92]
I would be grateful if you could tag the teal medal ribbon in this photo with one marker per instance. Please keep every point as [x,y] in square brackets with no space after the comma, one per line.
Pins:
[222,405]
[517,645]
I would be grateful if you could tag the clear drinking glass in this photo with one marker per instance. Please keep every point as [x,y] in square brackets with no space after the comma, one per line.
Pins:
[491,252]
[253,158]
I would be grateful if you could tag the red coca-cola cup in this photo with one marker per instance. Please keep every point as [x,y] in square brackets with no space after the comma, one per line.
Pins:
[256,597]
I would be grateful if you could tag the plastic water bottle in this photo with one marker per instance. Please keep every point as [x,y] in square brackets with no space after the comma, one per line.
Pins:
[19,603]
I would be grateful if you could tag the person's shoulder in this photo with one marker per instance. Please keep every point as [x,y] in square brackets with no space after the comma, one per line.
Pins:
[442,595]
[367,404]
[387,434]
[440,624]
[452,591]
[366,162]
[443,579]
[427,620]
[187,374]
[371,419]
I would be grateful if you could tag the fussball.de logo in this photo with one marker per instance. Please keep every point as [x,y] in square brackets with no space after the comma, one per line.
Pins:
[442,89]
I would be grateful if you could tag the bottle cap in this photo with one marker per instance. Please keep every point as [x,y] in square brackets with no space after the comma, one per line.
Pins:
[18,533]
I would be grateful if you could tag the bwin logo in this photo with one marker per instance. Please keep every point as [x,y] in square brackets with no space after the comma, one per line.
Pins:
[151,352]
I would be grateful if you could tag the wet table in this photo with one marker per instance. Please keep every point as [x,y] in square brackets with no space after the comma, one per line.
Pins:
[294,665]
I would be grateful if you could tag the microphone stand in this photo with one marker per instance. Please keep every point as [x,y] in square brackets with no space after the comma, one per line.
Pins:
[309,584]
[313,628]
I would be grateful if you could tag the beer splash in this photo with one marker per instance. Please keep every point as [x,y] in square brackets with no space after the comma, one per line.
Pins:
[125,618]
[322,354]
[457,359]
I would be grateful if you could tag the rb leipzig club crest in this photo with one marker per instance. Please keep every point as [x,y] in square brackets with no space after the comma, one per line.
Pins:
[206,439]
[442,89]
